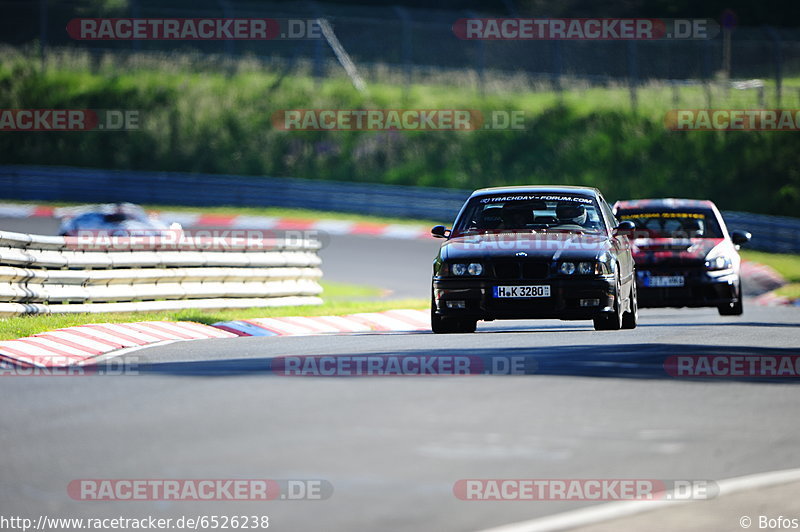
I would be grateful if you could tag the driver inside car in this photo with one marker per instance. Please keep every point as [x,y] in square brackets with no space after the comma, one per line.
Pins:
[694,228]
[516,216]
[571,214]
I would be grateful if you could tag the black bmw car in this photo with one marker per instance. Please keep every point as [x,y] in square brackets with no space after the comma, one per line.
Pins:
[534,252]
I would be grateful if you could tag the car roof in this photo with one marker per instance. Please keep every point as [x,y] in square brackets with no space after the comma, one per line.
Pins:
[538,189]
[665,203]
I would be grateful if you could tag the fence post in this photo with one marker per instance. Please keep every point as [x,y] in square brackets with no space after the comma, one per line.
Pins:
[480,57]
[707,72]
[558,69]
[633,73]
[777,58]
[136,12]
[227,12]
[317,44]
[42,31]
[726,52]
[405,23]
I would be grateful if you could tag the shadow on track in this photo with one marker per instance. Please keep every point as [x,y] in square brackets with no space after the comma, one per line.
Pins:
[721,324]
[634,361]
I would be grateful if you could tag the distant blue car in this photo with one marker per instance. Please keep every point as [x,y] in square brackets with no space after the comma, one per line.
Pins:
[115,219]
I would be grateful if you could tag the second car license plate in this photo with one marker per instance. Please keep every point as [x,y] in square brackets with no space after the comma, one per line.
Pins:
[522,291]
[664,280]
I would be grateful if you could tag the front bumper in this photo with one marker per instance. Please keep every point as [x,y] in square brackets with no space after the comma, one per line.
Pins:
[563,302]
[700,289]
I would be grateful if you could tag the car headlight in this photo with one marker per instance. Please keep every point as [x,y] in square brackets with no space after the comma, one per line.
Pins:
[718,263]
[567,268]
[475,268]
[458,269]
[606,268]
[585,268]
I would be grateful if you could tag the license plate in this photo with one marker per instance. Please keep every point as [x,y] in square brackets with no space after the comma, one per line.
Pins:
[522,291]
[657,281]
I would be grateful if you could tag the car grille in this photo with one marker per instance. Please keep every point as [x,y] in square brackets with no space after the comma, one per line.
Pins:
[534,270]
[520,270]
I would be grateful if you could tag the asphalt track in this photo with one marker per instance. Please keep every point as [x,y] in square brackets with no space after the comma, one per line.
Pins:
[596,405]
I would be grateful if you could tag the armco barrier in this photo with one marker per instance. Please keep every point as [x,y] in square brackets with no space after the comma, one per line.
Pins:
[56,275]
[778,234]
[86,185]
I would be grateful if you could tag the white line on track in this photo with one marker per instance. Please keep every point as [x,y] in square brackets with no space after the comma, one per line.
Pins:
[616,510]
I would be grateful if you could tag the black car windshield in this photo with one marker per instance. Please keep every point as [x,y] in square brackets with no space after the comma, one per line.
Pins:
[673,224]
[530,212]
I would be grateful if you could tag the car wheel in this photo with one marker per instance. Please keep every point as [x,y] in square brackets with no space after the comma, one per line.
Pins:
[468,326]
[440,325]
[733,309]
[631,318]
[611,321]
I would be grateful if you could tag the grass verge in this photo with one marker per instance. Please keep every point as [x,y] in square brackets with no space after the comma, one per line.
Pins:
[340,299]
[198,117]
[786,265]
[791,291]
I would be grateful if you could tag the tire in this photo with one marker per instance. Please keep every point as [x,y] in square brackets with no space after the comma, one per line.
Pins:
[631,318]
[733,309]
[468,326]
[612,321]
[440,325]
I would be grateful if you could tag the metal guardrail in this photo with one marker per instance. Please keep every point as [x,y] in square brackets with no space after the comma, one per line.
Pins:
[89,185]
[770,233]
[778,234]
[57,275]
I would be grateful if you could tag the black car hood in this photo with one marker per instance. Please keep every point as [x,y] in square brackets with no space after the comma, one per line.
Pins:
[547,246]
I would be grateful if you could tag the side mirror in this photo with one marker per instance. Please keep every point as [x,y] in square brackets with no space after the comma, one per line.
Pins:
[740,237]
[440,231]
[625,228]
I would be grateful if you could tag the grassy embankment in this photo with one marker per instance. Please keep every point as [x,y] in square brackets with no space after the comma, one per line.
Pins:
[786,265]
[212,116]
